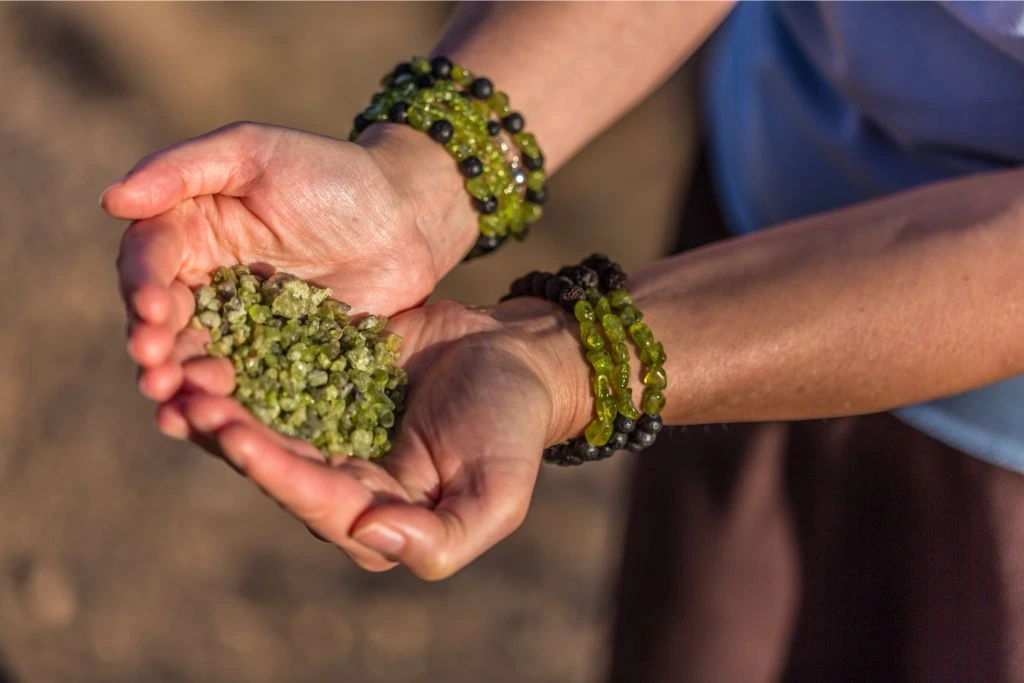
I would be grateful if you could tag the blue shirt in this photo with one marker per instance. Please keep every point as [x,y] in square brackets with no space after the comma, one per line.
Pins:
[813,106]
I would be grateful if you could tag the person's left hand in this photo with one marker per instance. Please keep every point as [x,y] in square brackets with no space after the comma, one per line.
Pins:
[489,389]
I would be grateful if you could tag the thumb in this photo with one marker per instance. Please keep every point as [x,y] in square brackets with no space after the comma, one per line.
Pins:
[229,160]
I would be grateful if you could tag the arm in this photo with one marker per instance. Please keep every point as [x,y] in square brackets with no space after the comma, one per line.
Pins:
[571,68]
[884,304]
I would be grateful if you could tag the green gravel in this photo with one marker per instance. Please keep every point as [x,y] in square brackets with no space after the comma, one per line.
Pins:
[302,365]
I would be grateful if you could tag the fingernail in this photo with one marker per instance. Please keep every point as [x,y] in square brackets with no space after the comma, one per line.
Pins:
[384,540]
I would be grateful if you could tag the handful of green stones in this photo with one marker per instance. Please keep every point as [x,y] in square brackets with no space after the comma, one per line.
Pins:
[302,365]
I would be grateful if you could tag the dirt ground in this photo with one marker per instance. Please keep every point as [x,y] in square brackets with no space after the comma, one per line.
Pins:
[127,557]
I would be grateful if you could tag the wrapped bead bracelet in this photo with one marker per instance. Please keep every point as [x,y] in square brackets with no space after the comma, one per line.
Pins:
[594,292]
[472,120]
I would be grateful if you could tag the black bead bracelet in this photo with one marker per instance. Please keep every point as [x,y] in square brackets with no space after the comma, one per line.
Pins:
[594,291]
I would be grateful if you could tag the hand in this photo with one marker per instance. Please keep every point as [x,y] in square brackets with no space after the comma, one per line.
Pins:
[359,218]
[489,389]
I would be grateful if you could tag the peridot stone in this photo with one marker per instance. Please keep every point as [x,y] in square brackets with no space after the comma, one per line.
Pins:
[630,314]
[531,212]
[619,298]
[653,354]
[613,328]
[535,179]
[620,377]
[653,402]
[477,187]
[461,75]
[492,224]
[605,409]
[591,336]
[583,311]
[600,361]
[601,386]
[626,406]
[420,65]
[601,308]
[597,432]
[641,334]
[655,378]
[498,103]
[620,353]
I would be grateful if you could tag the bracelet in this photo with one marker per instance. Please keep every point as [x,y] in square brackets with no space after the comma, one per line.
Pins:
[475,124]
[594,292]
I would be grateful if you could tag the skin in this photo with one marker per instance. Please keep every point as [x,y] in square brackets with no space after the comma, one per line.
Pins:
[865,309]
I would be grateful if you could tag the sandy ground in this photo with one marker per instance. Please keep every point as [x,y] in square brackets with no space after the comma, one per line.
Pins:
[128,557]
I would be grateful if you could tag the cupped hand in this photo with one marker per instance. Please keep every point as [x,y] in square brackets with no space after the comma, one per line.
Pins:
[336,213]
[489,389]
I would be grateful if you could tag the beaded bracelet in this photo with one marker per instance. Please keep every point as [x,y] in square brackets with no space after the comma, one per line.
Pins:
[473,121]
[594,293]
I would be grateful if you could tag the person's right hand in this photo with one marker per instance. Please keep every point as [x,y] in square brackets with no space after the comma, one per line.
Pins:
[353,217]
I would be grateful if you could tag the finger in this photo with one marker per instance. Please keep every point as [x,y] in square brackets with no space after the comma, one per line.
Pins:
[151,254]
[226,161]
[209,414]
[162,381]
[320,496]
[213,376]
[485,505]
[150,345]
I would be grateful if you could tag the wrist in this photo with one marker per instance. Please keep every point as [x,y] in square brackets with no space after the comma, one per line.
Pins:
[429,188]
[548,342]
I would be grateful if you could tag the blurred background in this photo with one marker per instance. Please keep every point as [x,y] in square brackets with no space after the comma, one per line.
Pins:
[127,557]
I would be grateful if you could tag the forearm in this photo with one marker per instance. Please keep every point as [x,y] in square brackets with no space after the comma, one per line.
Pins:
[570,68]
[866,309]
[573,68]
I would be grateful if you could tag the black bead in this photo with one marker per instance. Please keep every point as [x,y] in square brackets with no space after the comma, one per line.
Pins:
[360,123]
[441,67]
[650,423]
[441,131]
[539,282]
[485,244]
[481,88]
[493,128]
[424,80]
[581,275]
[583,449]
[624,424]
[553,288]
[520,287]
[605,452]
[597,262]
[522,234]
[514,122]
[398,112]
[486,206]
[568,297]
[536,196]
[640,440]
[613,278]
[533,163]
[618,440]
[403,68]
[471,167]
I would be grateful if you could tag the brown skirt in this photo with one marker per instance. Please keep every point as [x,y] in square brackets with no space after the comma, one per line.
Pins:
[855,549]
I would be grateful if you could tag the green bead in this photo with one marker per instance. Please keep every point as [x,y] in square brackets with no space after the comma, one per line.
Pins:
[597,432]
[619,298]
[498,103]
[613,328]
[418,118]
[620,352]
[606,409]
[601,308]
[457,149]
[655,378]
[653,402]
[532,212]
[593,296]
[591,336]
[420,65]
[600,361]
[653,354]
[583,311]
[525,141]
[641,334]
[535,180]
[626,406]
[492,224]
[630,314]
[620,377]
[477,187]
[601,386]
